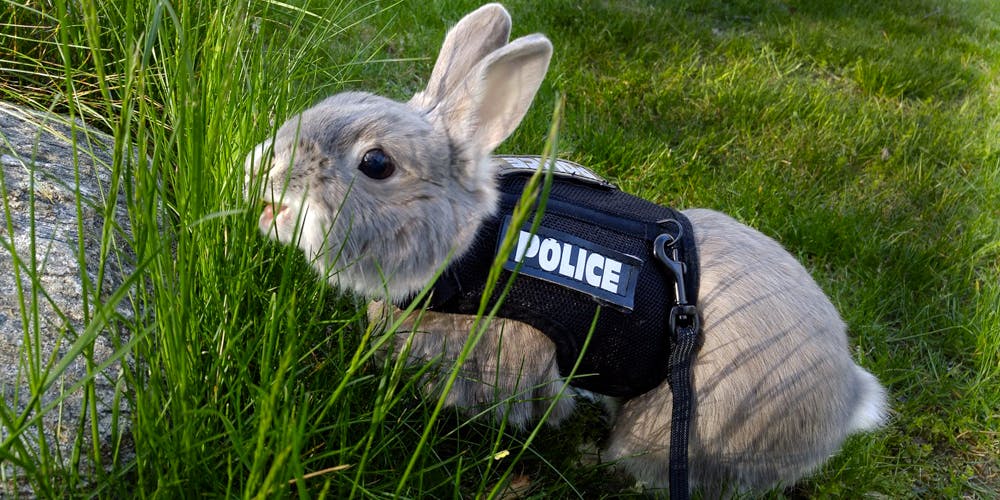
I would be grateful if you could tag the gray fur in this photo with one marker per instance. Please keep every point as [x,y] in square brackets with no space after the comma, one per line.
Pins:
[388,237]
[511,372]
[776,389]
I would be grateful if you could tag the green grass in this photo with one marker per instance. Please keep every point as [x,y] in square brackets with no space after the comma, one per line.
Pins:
[862,135]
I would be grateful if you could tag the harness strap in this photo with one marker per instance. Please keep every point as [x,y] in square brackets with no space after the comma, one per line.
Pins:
[684,329]
[685,340]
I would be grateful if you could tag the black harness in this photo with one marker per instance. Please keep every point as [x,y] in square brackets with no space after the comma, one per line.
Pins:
[599,251]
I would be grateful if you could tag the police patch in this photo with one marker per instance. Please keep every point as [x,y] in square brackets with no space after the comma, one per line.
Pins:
[573,262]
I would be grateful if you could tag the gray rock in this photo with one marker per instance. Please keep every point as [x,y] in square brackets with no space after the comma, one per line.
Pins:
[40,146]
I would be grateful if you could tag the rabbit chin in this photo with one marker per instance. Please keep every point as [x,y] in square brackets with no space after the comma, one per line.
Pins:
[347,265]
[327,247]
[397,287]
[281,222]
[297,225]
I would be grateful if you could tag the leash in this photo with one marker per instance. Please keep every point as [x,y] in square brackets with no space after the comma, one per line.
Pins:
[685,329]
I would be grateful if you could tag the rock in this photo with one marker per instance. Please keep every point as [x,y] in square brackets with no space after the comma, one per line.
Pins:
[40,145]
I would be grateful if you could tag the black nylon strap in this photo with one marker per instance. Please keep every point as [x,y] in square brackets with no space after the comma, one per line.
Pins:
[685,331]
[685,341]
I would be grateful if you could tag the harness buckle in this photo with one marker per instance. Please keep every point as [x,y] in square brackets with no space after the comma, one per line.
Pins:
[684,321]
[672,262]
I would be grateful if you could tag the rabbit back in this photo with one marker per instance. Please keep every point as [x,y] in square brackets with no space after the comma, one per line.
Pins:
[776,389]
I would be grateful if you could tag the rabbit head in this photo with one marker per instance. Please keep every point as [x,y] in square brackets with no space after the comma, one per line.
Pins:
[379,193]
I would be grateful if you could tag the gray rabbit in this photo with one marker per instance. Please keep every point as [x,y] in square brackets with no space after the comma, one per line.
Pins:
[378,194]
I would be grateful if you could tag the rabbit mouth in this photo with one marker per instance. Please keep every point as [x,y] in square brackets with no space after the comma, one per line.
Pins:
[271,210]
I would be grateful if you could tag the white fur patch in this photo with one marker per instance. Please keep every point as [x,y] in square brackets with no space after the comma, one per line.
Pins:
[872,408]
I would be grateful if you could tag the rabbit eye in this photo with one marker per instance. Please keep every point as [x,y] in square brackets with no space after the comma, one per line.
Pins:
[376,164]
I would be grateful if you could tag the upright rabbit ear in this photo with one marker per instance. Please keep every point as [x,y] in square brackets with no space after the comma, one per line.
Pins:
[489,104]
[477,35]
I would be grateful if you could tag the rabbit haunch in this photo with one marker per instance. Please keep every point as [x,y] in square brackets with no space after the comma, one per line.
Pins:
[776,390]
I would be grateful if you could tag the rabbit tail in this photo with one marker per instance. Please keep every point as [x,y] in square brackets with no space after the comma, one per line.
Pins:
[872,408]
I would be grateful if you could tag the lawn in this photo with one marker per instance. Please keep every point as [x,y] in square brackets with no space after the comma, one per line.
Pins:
[862,135]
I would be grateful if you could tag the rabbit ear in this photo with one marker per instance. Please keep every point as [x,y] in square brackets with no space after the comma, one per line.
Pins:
[490,103]
[478,34]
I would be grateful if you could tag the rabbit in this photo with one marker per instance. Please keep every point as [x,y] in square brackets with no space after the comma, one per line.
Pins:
[379,194]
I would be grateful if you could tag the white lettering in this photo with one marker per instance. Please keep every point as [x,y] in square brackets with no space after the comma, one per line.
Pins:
[526,239]
[594,261]
[609,281]
[565,268]
[581,263]
[557,257]
[548,255]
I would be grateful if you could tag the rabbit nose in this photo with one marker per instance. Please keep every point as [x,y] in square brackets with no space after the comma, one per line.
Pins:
[271,210]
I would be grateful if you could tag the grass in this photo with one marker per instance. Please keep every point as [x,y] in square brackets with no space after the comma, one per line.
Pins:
[862,135]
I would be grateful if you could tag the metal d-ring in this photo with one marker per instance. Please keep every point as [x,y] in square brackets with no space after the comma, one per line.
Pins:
[665,223]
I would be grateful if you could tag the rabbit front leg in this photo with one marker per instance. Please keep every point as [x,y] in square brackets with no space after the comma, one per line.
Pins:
[511,371]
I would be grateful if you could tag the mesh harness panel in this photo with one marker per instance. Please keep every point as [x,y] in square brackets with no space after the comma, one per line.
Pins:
[629,349]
